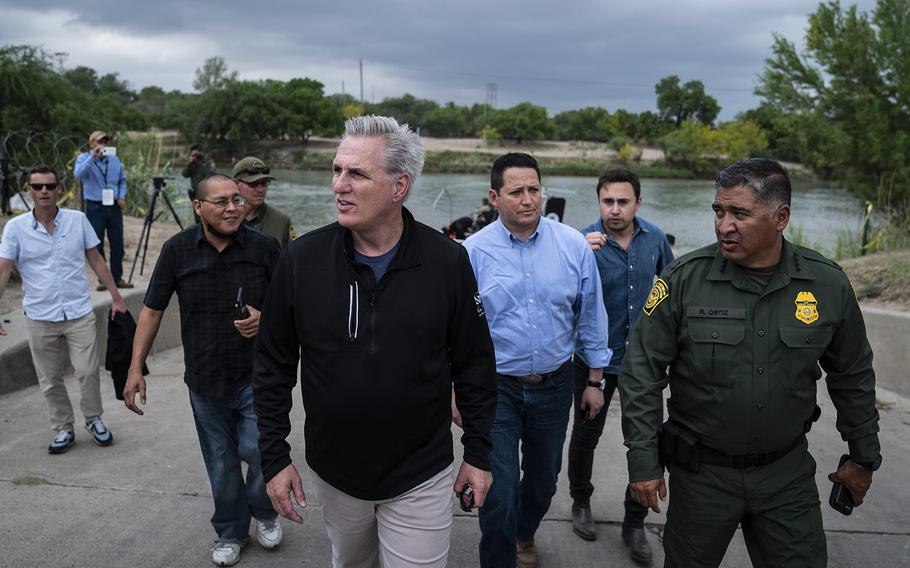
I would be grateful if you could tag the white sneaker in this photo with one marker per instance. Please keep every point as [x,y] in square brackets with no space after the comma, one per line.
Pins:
[226,553]
[269,533]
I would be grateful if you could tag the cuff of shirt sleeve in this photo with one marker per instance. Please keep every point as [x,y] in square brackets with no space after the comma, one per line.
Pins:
[274,467]
[643,466]
[867,450]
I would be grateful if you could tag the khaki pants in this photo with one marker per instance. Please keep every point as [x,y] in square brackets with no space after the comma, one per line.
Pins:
[47,340]
[412,529]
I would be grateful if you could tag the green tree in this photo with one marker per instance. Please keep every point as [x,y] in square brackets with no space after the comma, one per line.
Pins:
[449,121]
[589,124]
[213,74]
[677,103]
[523,122]
[845,98]
[406,108]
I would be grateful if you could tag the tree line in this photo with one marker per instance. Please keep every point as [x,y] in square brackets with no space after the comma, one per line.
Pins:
[839,105]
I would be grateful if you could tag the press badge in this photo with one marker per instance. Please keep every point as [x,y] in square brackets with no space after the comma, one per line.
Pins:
[107,196]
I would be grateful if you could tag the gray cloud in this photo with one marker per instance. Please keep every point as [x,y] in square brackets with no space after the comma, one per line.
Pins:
[562,55]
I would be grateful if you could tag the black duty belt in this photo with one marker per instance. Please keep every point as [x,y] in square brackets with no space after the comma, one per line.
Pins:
[536,378]
[713,457]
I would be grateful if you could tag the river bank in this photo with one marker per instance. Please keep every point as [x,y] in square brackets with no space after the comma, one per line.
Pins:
[474,156]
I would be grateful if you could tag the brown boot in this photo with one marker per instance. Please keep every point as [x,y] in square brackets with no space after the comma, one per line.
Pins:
[527,554]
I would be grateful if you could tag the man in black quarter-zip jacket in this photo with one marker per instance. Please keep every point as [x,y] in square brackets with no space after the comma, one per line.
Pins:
[383,314]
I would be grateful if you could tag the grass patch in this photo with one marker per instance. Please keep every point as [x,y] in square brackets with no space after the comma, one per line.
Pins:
[30,480]
[884,277]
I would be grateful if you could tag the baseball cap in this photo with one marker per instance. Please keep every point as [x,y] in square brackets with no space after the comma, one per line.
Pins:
[97,135]
[251,169]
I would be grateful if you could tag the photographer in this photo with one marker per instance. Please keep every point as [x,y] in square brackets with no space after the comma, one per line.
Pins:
[197,169]
[104,193]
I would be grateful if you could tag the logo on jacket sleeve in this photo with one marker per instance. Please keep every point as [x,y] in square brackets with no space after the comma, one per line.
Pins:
[659,292]
[478,304]
[806,307]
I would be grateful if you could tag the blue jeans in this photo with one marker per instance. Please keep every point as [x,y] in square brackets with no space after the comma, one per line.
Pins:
[108,218]
[228,434]
[537,416]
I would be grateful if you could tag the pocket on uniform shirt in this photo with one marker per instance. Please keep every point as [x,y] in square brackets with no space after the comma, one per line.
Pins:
[804,347]
[715,344]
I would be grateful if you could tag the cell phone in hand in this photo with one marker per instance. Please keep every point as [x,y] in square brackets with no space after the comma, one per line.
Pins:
[841,500]
[466,498]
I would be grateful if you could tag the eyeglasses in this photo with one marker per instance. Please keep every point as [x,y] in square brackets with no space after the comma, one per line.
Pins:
[259,183]
[255,171]
[222,203]
[40,186]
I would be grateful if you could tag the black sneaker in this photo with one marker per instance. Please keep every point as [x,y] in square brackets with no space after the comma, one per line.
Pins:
[99,431]
[63,441]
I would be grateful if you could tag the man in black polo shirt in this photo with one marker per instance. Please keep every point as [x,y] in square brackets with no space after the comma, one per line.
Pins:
[207,265]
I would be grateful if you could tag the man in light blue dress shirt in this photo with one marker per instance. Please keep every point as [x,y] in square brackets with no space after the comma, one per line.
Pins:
[104,193]
[541,292]
[50,245]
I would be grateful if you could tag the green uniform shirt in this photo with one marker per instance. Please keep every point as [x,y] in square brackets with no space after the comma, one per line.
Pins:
[198,172]
[275,224]
[743,362]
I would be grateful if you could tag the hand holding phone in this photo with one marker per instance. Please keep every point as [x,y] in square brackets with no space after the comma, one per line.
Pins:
[466,498]
[841,500]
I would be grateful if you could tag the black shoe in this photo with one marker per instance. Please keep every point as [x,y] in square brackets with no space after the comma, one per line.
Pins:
[63,441]
[583,522]
[639,547]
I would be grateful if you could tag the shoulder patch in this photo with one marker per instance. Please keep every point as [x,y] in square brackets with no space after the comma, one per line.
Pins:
[659,292]
[291,232]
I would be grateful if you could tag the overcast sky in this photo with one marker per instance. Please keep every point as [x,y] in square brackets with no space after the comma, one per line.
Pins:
[562,54]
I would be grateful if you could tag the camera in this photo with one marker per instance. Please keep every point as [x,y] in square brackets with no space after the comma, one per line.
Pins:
[109,151]
[200,157]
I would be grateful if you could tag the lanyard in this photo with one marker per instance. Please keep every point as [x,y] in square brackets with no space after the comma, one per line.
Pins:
[104,171]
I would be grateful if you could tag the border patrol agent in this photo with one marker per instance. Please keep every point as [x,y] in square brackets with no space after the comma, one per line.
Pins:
[253,178]
[743,326]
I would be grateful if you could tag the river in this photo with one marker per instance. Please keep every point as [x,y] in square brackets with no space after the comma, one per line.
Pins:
[680,207]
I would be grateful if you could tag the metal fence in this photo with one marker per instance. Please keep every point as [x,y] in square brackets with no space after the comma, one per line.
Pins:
[22,149]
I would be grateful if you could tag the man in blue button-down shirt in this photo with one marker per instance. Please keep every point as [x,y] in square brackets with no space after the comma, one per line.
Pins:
[104,193]
[541,292]
[630,252]
[51,245]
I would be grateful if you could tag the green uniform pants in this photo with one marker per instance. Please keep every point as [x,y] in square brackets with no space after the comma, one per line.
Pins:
[777,506]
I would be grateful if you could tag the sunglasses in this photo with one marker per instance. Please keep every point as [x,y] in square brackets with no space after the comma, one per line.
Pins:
[40,186]
[260,183]
[255,171]
[222,203]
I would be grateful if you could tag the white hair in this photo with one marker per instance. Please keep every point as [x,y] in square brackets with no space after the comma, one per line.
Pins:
[402,152]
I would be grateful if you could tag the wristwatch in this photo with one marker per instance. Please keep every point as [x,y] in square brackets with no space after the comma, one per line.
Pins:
[597,384]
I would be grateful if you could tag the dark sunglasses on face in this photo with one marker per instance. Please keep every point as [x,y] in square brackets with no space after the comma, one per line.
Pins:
[260,183]
[256,171]
[40,186]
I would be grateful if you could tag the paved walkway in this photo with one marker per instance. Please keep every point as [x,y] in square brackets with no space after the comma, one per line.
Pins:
[145,501]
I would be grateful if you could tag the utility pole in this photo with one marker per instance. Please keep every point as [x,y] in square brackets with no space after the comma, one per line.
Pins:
[361,81]
[344,99]
[491,95]
[61,57]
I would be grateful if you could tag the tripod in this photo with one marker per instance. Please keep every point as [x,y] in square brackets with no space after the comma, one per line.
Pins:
[158,182]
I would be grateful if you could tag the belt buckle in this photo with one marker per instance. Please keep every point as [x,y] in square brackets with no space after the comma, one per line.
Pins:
[532,379]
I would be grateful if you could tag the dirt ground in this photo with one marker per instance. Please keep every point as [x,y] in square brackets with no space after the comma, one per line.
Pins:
[132,227]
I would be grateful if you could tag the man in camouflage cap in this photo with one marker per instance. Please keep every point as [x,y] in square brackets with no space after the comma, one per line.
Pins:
[253,177]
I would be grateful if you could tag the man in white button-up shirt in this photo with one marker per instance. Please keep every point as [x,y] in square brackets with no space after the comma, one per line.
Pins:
[50,246]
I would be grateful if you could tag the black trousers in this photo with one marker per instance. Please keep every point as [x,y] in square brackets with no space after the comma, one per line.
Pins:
[585,435]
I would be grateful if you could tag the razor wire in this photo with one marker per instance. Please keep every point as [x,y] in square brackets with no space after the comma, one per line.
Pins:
[20,150]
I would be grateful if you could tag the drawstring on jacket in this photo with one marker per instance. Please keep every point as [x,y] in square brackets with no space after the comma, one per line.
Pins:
[353,310]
